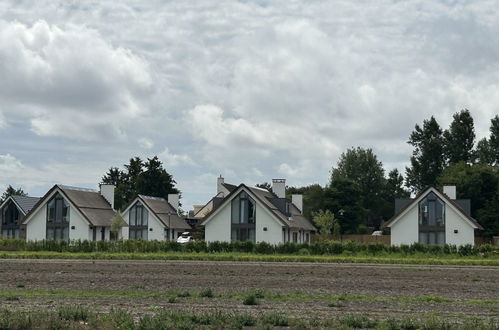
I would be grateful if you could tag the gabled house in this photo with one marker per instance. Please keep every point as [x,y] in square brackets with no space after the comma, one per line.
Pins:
[153,218]
[71,213]
[433,217]
[258,215]
[12,213]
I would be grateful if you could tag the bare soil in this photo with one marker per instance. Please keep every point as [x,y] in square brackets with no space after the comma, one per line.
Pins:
[460,284]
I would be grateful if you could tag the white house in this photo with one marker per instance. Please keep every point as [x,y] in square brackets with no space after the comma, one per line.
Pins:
[153,218]
[72,213]
[258,215]
[433,218]
[12,213]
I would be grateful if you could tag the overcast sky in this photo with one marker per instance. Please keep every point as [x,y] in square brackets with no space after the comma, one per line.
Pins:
[252,90]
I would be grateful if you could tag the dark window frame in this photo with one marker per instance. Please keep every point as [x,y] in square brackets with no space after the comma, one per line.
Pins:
[431,220]
[58,217]
[11,221]
[138,208]
[243,218]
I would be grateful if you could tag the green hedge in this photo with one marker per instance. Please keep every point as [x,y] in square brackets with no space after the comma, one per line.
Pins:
[320,248]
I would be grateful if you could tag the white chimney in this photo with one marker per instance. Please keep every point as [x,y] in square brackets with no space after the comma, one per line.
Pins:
[450,191]
[173,200]
[220,182]
[297,200]
[107,191]
[279,187]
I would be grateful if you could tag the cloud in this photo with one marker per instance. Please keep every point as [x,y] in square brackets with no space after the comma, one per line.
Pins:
[68,81]
[173,160]
[145,143]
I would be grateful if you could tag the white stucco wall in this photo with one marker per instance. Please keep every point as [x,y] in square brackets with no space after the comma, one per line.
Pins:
[158,229]
[406,230]
[465,232]
[273,235]
[219,227]
[36,228]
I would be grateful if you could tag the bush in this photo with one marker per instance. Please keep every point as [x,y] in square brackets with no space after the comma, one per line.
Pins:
[74,313]
[264,248]
[206,293]
[276,319]
[250,300]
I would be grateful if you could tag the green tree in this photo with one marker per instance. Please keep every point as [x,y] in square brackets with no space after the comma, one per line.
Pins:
[483,152]
[117,223]
[427,161]
[393,188]
[459,139]
[324,220]
[139,177]
[11,191]
[480,184]
[313,198]
[265,185]
[494,139]
[343,197]
[362,167]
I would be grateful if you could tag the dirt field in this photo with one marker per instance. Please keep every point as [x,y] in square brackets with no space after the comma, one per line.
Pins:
[296,288]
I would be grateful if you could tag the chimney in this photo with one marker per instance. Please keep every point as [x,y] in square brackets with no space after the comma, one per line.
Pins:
[450,191]
[220,182]
[279,187]
[107,191]
[297,200]
[173,200]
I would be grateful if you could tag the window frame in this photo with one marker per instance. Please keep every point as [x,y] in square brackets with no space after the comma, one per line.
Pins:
[143,228]
[57,223]
[431,220]
[243,224]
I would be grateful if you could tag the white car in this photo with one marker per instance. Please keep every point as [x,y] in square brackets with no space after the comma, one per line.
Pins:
[184,238]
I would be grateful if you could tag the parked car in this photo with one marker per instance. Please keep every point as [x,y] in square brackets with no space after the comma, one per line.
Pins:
[377,233]
[184,238]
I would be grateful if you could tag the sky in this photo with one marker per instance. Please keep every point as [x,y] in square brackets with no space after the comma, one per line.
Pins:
[250,90]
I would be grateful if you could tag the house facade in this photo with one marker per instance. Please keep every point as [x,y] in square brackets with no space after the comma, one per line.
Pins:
[433,217]
[12,213]
[72,213]
[153,218]
[258,215]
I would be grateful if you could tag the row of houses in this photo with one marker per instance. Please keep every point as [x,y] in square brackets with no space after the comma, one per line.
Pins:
[235,213]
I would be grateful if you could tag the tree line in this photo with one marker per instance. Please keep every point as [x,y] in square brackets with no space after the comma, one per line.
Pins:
[360,195]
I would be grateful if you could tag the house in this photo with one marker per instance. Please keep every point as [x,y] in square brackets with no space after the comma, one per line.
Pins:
[256,214]
[12,213]
[153,218]
[433,217]
[71,213]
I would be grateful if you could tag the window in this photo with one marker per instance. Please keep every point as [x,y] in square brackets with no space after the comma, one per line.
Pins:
[138,217]
[10,221]
[432,220]
[295,237]
[57,218]
[243,209]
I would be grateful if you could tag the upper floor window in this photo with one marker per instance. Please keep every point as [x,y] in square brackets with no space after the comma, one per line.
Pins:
[10,221]
[58,218]
[432,220]
[138,222]
[243,210]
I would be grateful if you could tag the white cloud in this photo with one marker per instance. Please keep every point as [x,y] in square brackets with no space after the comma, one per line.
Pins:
[172,160]
[69,81]
[145,143]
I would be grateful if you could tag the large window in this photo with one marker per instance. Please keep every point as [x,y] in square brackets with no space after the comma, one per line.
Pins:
[432,220]
[243,218]
[138,222]
[58,218]
[10,221]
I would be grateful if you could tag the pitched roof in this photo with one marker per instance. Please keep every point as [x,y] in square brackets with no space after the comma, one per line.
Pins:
[446,198]
[229,187]
[90,203]
[271,202]
[23,203]
[164,212]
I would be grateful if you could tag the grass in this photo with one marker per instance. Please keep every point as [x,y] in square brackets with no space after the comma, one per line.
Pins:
[418,259]
[250,297]
[76,317]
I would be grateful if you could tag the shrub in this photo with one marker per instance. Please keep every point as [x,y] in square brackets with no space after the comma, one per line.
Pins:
[206,293]
[358,321]
[276,319]
[250,300]
[264,248]
[74,313]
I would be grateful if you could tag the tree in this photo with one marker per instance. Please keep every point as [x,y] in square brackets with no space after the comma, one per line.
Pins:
[313,198]
[393,188]
[483,152]
[343,198]
[117,223]
[494,139]
[11,191]
[139,177]
[265,185]
[363,168]
[459,139]
[325,221]
[427,161]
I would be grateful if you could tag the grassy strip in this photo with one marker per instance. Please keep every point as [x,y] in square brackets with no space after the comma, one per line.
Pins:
[241,257]
[11,294]
[78,317]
